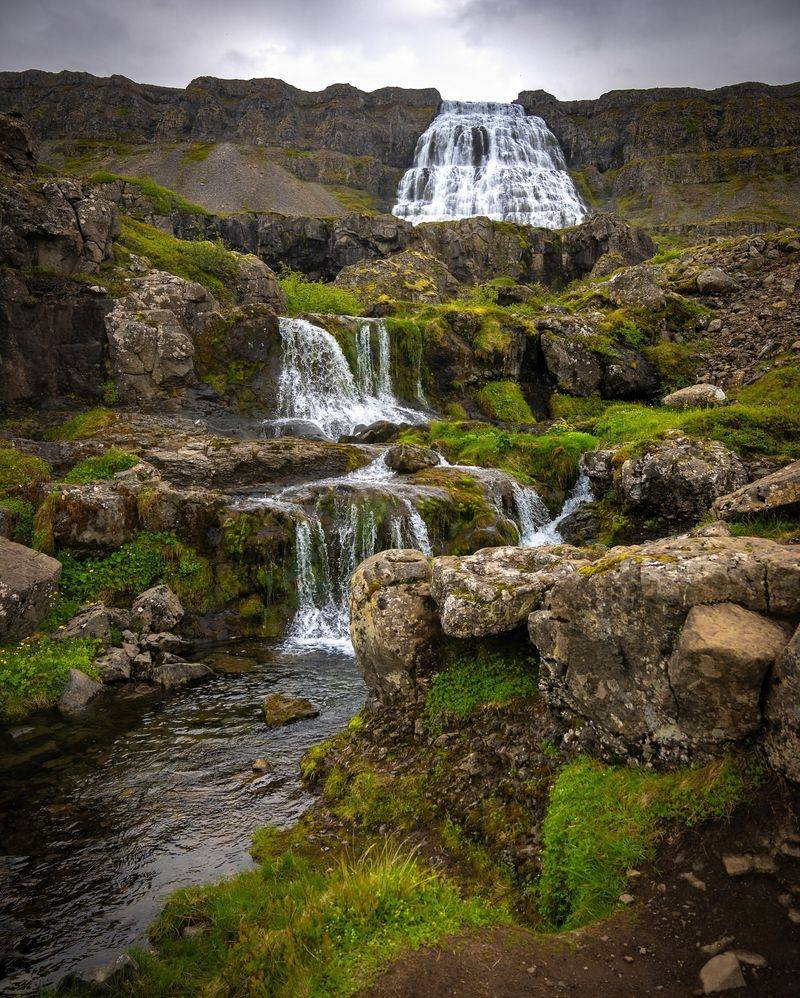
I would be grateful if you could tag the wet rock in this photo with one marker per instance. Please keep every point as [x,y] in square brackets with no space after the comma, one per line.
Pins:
[28,585]
[598,466]
[782,712]
[722,973]
[380,432]
[102,977]
[700,396]
[78,693]
[157,609]
[280,710]
[778,491]
[406,459]
[394,623]
[115,666]
[174,672]
[715,281]
[233,664]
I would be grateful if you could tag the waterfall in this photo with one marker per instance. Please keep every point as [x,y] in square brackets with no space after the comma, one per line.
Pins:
[549,533]
[532,514]
[316,384]
[488,159]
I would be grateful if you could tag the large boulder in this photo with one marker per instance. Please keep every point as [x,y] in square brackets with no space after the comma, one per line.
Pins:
[157,609]
[782,712]
[28,586]
[408,276]
[407,459]
[714,281]
[701,396]
[632,645]
[572,365]
[494,590]
[778,491]
[637,286]
[78,693]
[627,375]
[256,284]
[394,622]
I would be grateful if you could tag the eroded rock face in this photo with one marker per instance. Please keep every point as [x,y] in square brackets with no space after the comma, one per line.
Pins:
[257,285]
[17,145]
[615,634]
[782,711]
[494,590]
[778,491]
[394,622]
[702,396]
[569,359]
[28,585]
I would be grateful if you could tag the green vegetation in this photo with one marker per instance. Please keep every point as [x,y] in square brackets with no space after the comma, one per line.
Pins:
[298,925]
[353,199]
[34,671]
[503,400]
[675,364]
[772,525]
[491,676]
[210,264]
[20,514]
[603,820]
[162,200]
[304,296]
[576,410]
[21,474]
[198,152]
[101,467]
[83,425]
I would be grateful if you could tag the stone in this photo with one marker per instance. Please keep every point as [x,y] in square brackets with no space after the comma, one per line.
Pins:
[711,949]
[627,375]
[750,958]
[700,396]
[101,977]
[637,286]
[174,672]
[261,766]
[98,516]
[394,623]
[718,667]
[157,609]
[114,667]
[626,898]
[722,973]
[28,586]
[606,635]
[90,622]
[411,275]
[18,153]
[256,284]
[78,693]
[407,459]
[598,466]
[740,865]
[782,712]
[280,710]
[692,880]
[570,362]
[777,491]
[715,281]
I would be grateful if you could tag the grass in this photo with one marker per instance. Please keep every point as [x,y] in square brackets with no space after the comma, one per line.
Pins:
[207,263]
[300,926]
[34,671]
[162,200]
[492,676]
[21,474]
[197,152]
[101,467]
[771,525]
[21,513]
[303,296]
[503,400]
[83,425]
[603,820]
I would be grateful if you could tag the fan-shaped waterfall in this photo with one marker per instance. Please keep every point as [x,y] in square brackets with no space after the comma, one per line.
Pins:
[489,159]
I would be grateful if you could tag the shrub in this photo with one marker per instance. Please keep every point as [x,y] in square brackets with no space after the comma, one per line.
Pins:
[503,400]
[34,671]
[101,467]
[303,295]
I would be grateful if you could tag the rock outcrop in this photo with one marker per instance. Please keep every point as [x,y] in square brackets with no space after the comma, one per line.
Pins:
[28,586]
[409,276]
[778,492]
[782,711]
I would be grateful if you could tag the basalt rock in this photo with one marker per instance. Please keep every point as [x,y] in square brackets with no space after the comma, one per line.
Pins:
[700,396]
[78,693]
[158,609]
[28,586]
[779,491]
[280,710]
[407,276]
[782,711]
[573,366]
[17,145]
[407,459]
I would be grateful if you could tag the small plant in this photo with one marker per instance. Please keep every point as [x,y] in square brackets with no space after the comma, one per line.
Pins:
[34,671]
[503,400]
[83,425]
[101,467]
[492,677]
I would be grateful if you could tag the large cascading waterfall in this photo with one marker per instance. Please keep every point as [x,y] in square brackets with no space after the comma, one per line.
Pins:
[317,386]
[489,159]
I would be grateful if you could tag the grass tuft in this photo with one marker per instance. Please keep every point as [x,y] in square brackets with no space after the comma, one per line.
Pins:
[303,295]
[101,467]
[33,672]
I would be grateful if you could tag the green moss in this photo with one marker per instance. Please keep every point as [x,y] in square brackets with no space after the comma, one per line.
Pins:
[101,467]
[83,425]
[20,513]
[21,474]
[34,671]
[207,263]
[162,200]
[503,400]
[353,199]
[573,409]
[304,296]
[675,364]
[602,820]
[198,152]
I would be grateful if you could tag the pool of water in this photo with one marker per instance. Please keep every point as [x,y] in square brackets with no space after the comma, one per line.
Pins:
[101,819]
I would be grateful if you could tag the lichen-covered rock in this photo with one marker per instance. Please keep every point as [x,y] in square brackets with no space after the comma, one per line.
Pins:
[28,586]
[280,710]
[94,621]
[782,712]
[610,641]
[494,590]
[627,375]
[714,281]
[701,396]
[174,672]
[394,622]
[407,459]
[78,693]
[115,666]
[256,284]
[89,517]
[157,609]
[598,466]
[778,491]
[570,361]
[637,286]
[407,276]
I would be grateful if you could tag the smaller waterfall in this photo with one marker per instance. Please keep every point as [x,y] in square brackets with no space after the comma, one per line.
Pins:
[549,533]
[532,514]
[316,384]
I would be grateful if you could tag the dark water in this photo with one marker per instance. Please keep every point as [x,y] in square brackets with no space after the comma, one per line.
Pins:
[100,820]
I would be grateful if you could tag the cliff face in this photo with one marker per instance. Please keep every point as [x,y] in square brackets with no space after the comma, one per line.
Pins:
[721,160]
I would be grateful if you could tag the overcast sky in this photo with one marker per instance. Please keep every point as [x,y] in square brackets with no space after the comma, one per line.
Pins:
[469,49]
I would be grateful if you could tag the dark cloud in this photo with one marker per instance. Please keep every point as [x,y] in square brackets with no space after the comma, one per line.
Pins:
[475,49]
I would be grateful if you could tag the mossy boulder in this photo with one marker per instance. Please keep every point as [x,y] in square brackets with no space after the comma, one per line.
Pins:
[411,276]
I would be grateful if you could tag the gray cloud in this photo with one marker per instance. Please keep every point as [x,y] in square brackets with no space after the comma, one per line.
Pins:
[473,49]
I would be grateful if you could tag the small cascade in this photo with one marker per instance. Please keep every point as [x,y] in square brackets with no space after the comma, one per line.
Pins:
[549,533]
[317,386]
[489,159]
[532,514]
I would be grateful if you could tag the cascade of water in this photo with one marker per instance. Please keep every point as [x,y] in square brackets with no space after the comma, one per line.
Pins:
[316,384]
[548,533]
[532,514]
[488,159]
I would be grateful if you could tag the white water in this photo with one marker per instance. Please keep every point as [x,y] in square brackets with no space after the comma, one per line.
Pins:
[549,533]
[316,384]
[489,159]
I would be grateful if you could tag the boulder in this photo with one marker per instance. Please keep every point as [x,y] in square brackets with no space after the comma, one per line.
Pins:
[407,459]
[95,621]
[28,586]
[637,286]
[280,710]
[114,666]
[778,491]
[714,281]
[78,693]
[722,973]
[494,590]
[627,375]
[157,609]
[571,363]
[408,276]
[394,623]
[782,712]
[256,284]
[174,672]
[599,467]
[702,396]
[613,636]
